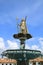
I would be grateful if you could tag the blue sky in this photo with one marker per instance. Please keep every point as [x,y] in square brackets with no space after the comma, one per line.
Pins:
[9,10]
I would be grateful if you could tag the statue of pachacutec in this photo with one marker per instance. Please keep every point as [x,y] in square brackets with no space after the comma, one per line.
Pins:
[23,27]
[22,30]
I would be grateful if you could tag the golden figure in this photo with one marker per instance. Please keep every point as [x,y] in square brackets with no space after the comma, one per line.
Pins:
[23,26]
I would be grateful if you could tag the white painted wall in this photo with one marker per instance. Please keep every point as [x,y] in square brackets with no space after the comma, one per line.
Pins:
[37,63]
[30,63]
[0,64]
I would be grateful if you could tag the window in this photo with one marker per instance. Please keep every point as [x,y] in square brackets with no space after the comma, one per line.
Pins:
[9,64]
[6,64]
[34,63]
[2,64]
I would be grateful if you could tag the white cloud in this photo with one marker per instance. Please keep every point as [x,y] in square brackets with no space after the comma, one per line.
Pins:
[35,44]
[35,47]
[12,44]
[27,46]
[2,45]
[15,45]
[38,46]
[40,39]
[41,44]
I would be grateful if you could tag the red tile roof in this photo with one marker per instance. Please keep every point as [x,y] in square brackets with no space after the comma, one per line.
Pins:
[37,60]
[5,60]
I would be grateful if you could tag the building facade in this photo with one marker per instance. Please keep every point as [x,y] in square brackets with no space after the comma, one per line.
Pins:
[5,61]
[36,61]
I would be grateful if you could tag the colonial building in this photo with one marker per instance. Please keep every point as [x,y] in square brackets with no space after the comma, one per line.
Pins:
[36,61]
[6,61]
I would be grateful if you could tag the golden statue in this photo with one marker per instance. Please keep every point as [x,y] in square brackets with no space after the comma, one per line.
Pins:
[23,26]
